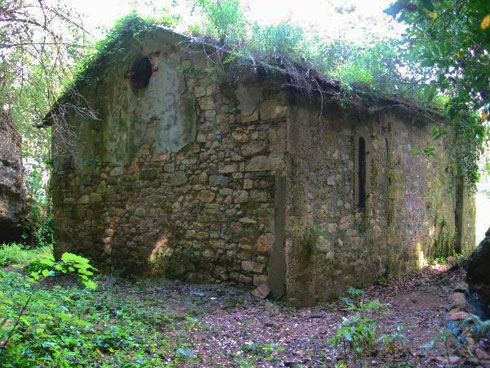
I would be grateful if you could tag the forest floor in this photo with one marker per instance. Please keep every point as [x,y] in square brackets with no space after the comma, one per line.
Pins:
[233,328]
[161,323]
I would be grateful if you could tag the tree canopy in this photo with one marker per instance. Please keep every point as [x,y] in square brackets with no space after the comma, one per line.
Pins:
[452,40]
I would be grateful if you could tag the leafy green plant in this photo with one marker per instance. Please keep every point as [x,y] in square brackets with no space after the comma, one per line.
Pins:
[451,42]
[68,264]
[23,311]
[394,342]
[16,254]
[429,151]
[43,324]
[354,293]
[258,352]
[371,306]
[225,19]
[357,334]
[444,337]
[478,327]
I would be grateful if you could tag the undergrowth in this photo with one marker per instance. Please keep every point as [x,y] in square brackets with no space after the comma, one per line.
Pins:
[358,337]
[17,255]
[48,320]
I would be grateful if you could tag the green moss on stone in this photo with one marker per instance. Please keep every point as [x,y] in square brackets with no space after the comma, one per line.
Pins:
[307,245]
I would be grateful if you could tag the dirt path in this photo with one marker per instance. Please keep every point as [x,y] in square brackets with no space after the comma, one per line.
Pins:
[233,329]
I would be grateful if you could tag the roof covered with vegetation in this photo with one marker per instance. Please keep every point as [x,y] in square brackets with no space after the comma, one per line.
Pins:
[358,76]
[380,74]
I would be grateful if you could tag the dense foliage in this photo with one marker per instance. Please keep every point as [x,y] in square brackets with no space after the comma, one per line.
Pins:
[56,322]
[377,65]
[39,40]
[452,41]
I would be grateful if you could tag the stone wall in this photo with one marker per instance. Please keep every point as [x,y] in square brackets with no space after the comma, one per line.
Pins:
[193,174]
[411,200]
[176,178]
[12,199]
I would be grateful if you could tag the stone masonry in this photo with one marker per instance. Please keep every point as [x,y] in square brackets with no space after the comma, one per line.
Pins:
[199,176]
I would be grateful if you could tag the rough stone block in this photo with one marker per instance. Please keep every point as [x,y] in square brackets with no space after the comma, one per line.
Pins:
[458,300]
[241,196]
[245,279]
[262,291]
[226,169]
[259,279]
[117,171]
[203,178]
[249,266]
[199,91]
[251,117]
[264,243]
[248,97]
[69,201]
[95,198]
[218,180]
[206,103]
[253,148]
[206,196]
[169,168]
[258,163]
[240,137]
[85,199]
[201,138]
[259,196]
[177,179]
[248,184]
[271,110]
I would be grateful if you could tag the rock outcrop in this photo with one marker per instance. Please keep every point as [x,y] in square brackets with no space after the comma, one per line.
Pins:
[479,261]
[12,198]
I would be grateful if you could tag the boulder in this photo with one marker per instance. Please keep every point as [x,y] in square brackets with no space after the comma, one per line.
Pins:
[479,261]
[12,198]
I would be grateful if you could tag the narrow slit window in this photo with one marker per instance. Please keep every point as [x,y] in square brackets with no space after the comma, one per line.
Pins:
[361,173]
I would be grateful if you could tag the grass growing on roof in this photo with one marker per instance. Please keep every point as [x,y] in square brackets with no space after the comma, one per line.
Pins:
[379,67]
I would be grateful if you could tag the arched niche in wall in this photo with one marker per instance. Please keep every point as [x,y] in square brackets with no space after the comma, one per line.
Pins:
[141,73]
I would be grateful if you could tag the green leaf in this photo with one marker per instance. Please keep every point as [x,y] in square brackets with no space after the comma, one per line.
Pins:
[427,4]
[90,284]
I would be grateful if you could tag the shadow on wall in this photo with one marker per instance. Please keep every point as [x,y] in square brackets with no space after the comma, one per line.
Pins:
[482,209]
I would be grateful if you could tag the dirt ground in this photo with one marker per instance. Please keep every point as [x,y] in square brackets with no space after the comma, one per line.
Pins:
[235,329]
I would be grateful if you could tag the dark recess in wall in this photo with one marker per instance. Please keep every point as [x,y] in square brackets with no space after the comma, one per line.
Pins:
[141,73]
